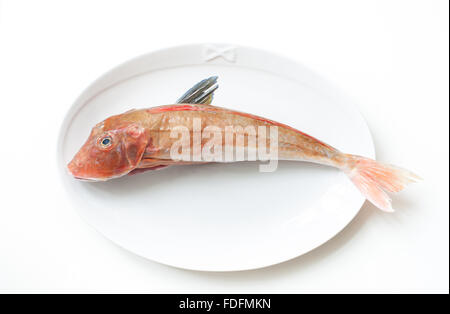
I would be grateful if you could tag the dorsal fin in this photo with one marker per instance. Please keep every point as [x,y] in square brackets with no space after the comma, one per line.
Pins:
[201,93]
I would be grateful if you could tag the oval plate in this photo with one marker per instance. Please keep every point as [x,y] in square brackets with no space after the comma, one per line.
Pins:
[220,217]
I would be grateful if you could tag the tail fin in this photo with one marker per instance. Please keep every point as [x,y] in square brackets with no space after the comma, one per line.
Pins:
[373,179]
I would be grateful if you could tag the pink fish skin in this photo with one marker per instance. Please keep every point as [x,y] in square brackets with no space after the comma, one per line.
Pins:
[139,140]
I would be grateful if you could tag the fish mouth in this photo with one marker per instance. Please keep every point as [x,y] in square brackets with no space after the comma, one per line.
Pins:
[87,179]
[81,177]
[91,179]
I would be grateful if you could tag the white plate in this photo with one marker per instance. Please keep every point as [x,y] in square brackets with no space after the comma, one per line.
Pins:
[220,217]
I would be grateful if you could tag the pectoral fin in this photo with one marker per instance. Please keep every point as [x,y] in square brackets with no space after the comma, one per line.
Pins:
[201,93]
[140,170]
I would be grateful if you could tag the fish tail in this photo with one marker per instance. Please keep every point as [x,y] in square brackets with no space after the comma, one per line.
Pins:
[374,179]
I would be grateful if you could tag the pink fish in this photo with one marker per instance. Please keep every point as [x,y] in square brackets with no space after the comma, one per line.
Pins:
[140,140]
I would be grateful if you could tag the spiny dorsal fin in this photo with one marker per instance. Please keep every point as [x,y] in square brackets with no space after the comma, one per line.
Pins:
[201,93]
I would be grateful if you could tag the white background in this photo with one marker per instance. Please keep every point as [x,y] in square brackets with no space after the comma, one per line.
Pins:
[391,57]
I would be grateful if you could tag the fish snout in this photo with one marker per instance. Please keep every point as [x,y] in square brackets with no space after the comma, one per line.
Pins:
[78,170]
[74,168]
[86,170]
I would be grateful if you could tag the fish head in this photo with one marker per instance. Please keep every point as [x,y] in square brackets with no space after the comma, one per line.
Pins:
[113,149]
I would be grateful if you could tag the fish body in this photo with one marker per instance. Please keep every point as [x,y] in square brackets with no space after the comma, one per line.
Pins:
[144,139]
[292,144]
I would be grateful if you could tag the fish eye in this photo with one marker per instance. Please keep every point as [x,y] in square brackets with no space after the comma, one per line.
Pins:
[106,141]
